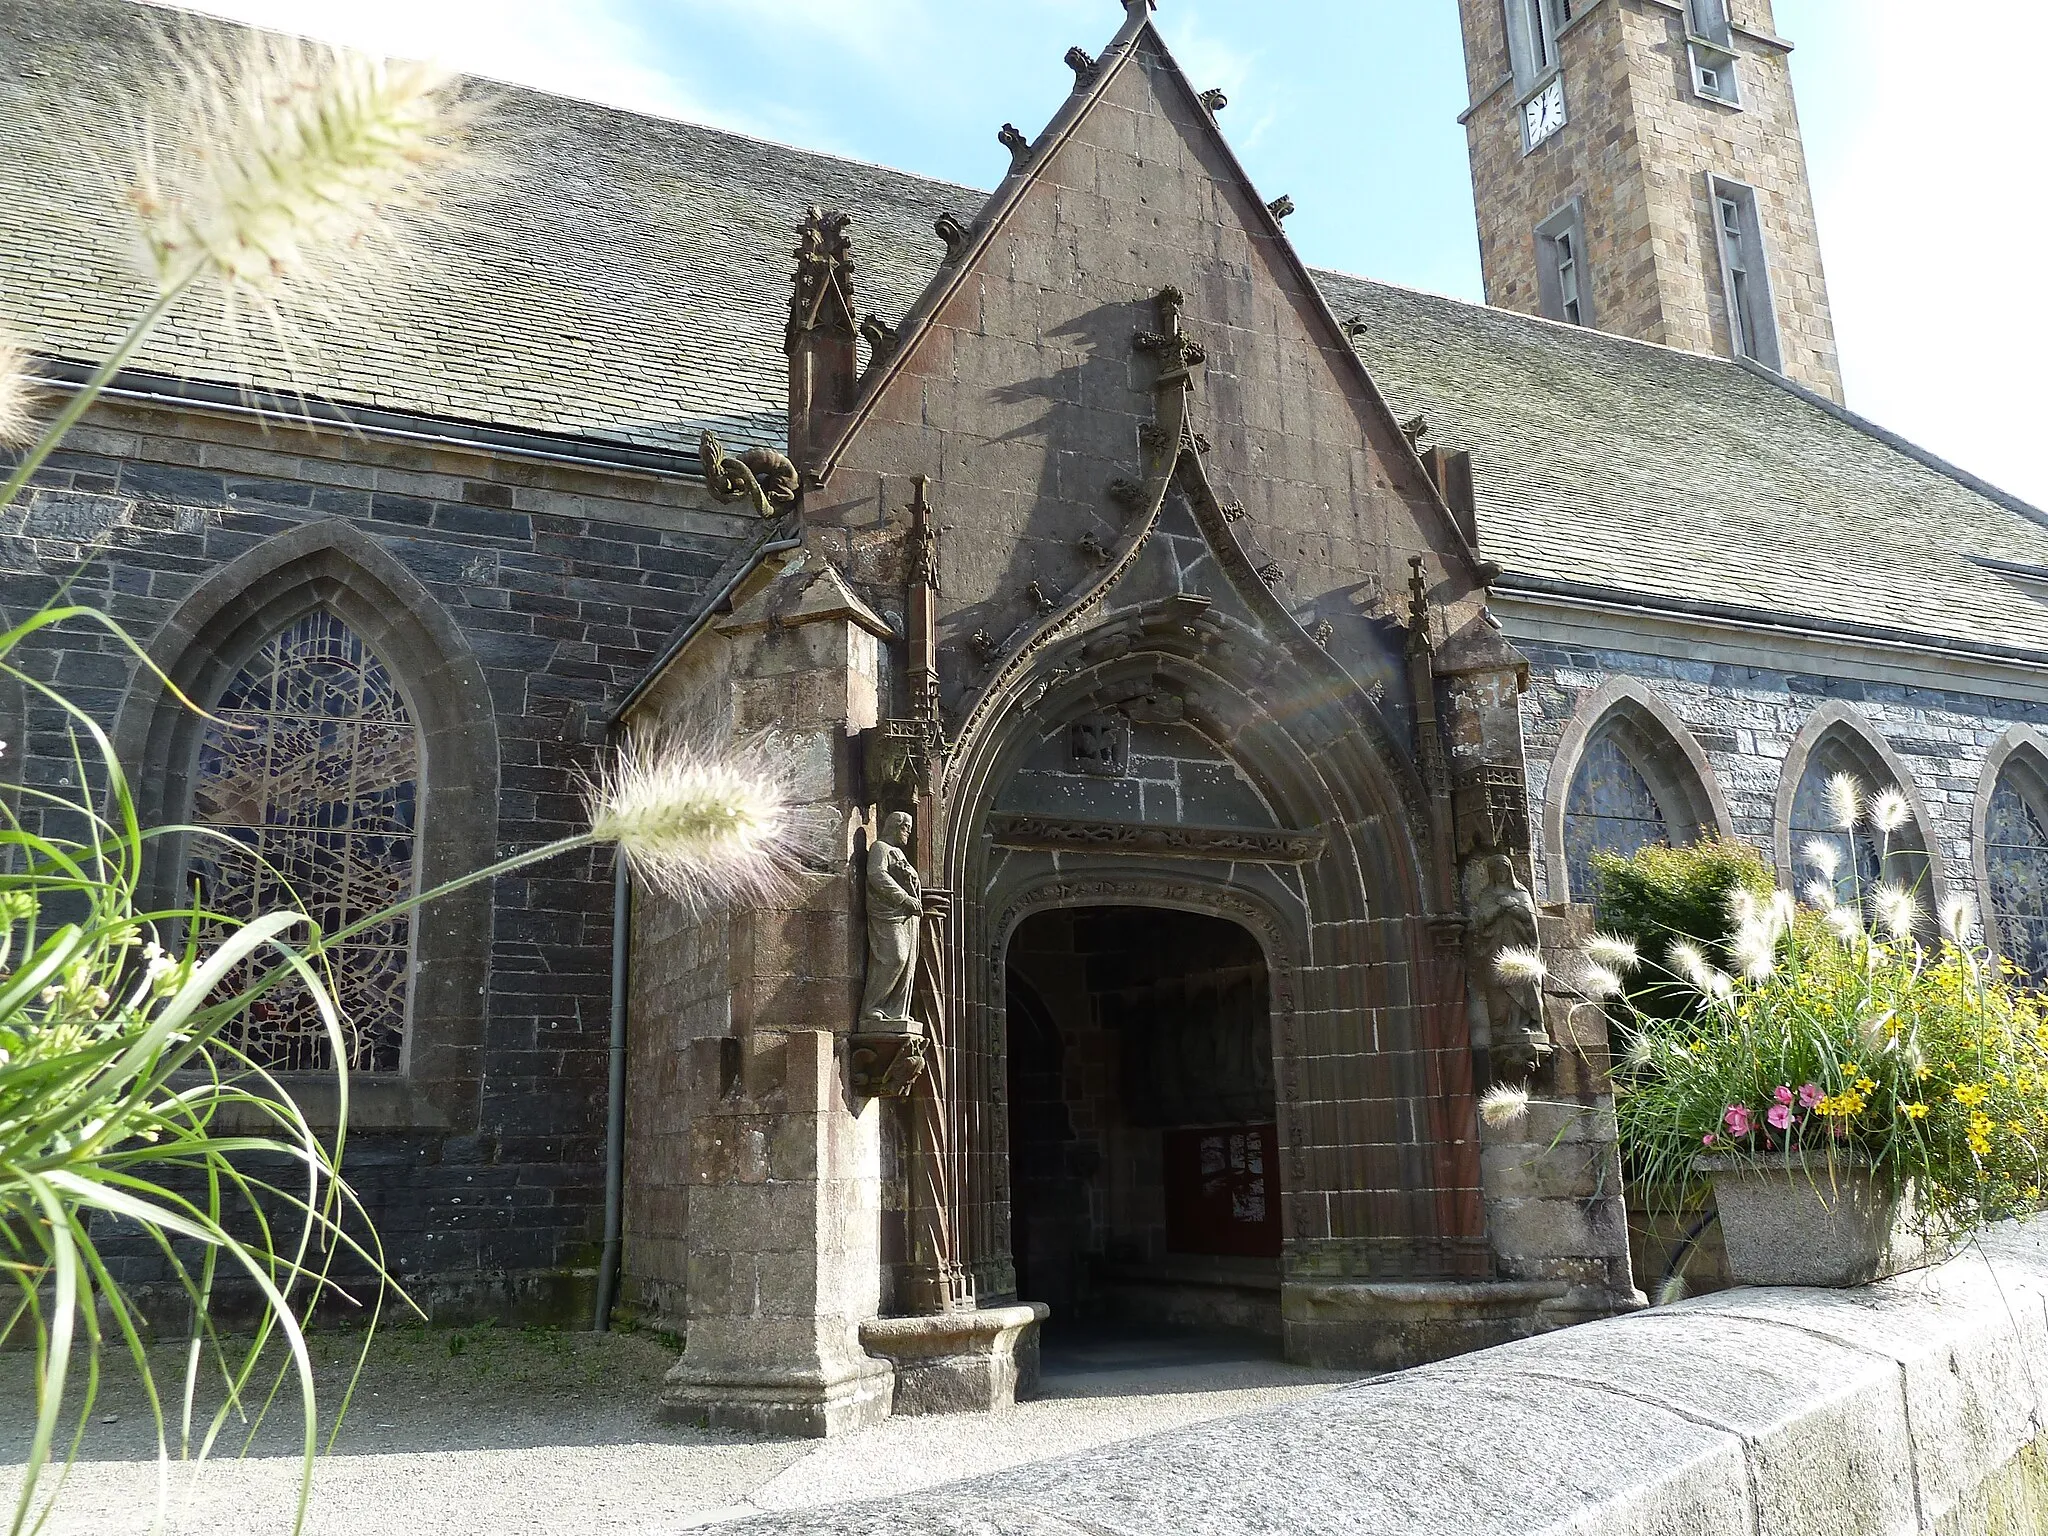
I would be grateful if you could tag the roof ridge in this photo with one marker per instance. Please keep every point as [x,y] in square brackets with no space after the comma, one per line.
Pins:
[1925,457]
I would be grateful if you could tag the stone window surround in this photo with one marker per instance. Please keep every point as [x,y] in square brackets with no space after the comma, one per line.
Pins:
[1827,720]
[1567,220]
[219,625]
[1725,188]
[2028,744]
[1678,771]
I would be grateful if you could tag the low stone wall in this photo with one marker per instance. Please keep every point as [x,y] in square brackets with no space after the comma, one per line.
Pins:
[1917,1405]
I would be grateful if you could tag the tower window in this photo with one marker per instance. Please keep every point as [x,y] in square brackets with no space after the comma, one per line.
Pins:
[1533,26]
[1746,283]
[1709,19]
[1563,283]
[1710,45]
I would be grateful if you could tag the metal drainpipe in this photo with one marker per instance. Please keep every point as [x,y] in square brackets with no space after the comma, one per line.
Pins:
[615,1107]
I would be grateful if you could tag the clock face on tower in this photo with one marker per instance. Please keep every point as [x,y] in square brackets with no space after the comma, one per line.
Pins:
[1543,115]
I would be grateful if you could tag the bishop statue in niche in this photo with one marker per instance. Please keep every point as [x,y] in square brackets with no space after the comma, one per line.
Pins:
[895,907]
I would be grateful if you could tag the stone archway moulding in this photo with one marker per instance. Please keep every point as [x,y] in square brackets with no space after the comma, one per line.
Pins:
[2027,745]
[1678,770]
[335,566]
[1828,719]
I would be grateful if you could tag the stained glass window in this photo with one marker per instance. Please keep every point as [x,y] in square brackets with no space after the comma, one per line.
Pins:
[311,775]
[2016,858]
[1861,863]
[1611,809]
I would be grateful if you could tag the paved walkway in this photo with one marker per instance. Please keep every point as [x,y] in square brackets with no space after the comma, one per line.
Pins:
[493,1432]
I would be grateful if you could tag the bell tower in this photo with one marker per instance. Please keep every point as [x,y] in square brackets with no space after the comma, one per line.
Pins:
[1637,167]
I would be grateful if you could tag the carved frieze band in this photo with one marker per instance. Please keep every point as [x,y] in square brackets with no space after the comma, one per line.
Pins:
[1060,834]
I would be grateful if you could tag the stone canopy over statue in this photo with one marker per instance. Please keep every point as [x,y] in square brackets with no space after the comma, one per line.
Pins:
[895,909]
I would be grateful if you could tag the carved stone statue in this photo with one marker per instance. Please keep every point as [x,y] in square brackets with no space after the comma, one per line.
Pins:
[895,908]
[1503,915]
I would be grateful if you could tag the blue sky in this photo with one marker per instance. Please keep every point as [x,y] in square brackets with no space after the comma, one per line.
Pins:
[1924,140]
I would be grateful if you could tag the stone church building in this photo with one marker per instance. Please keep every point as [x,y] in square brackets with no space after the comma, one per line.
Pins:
[1196,667]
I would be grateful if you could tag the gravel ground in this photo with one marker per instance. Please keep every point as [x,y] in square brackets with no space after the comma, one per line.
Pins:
[495,1432]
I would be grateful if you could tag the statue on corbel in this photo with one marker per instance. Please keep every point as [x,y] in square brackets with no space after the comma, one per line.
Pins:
[888,1049]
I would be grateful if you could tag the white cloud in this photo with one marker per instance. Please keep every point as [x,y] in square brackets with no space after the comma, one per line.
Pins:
[1933,238]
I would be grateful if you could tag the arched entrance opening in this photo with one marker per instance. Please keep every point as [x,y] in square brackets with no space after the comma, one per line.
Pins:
[1144,1154]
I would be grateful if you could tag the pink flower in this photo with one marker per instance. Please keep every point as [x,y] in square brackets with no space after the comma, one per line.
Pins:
[1783,1095]
[1809,1095]
[1709,1139]
[1737,1120]
[1780,1117]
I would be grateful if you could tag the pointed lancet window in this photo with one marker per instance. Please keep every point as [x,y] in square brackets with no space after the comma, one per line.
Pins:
[308,781]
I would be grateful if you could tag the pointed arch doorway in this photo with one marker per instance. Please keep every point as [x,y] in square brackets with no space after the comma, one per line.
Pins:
[1144,1140]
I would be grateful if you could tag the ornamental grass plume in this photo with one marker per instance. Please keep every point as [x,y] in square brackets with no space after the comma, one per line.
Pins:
[17,394]
[1599,982]
[1823,856]
[1520,965]
[1690,961]
[697,825]
[1845,800]
[1503,1105]
[1888,810]
[276,165]
[1613,952]
[1959,919]
[283,175]
[1897,911]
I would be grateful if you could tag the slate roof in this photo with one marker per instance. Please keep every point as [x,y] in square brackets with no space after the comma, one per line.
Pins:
[624,279]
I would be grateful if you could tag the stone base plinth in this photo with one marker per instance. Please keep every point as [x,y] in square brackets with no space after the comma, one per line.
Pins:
[1389,1325]
[789,1406]
[960,1362]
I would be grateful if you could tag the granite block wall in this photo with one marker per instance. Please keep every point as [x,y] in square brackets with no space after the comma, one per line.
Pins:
[1748,719]
[563,582]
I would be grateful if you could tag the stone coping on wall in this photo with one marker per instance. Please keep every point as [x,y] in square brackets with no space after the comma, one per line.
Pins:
[1919,1404]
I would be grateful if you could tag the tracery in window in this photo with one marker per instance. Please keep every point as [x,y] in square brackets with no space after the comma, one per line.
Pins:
[1861,864]
[1611,809]
[310,775]
[2016,861]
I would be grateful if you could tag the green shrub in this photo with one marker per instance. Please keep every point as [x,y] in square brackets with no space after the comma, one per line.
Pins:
[1659,895]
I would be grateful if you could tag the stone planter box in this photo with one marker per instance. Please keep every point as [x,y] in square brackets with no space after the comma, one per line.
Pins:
[1817,1223]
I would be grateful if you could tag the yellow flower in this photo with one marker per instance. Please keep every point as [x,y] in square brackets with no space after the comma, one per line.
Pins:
[1970,1095]
[1913,1111]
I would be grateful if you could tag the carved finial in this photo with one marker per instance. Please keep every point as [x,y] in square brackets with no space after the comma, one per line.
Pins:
[1011,137]
[1281,206]
[1414,428]
[1215,101]
[1082,63]
[1041,599]
[1356,327]
[881,339]
[953,232]
[823,291]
